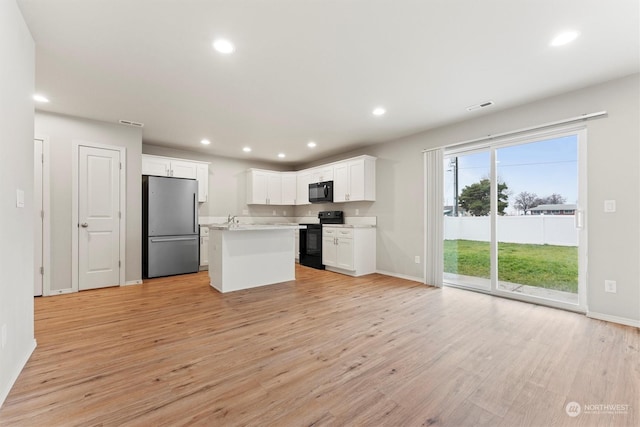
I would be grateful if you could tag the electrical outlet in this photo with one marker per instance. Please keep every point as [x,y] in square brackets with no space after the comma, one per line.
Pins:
[417,259]
[357,211]
[610,286]
[284,213]
[274,213]
[609,206]
[245,211]
[309,214]
[4,335]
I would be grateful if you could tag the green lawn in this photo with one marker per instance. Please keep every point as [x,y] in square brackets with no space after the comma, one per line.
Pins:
[546,266]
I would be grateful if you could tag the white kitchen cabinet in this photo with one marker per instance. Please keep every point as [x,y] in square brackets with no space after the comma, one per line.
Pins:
[202,175]
[349,251]
[204,248]
[289,188]
[303,180]
[264,187]
[178,168]
[157,166]
[182,169]
[355,180]
[322,173]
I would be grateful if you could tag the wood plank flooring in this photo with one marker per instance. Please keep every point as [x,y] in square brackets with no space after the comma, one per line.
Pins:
[324,350]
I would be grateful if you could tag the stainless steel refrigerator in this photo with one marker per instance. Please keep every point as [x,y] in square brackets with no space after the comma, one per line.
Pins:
[170,241]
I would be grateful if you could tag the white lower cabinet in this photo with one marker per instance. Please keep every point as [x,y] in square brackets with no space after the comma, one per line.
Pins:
[204,248]
[348,250]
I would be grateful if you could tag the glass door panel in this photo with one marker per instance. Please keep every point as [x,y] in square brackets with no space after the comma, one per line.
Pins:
[536,231]
[467,225]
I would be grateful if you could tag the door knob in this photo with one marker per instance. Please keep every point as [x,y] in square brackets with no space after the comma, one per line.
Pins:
[84,225]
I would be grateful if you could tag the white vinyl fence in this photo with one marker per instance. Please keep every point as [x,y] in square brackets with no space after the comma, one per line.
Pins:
[557,230]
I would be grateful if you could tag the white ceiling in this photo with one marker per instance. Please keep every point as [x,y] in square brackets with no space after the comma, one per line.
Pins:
[315,69]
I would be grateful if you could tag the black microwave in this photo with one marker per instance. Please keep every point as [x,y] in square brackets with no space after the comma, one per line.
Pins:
[321,192]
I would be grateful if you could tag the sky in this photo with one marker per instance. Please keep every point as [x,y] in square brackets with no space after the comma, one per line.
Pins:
[544,167]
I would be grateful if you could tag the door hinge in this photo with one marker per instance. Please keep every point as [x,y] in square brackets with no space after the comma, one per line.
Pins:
[119,264]
[42,157]
[42,214]
[120,165]
[119,214]
[42,271]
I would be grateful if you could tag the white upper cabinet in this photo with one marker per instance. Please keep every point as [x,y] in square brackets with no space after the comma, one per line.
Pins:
[303,181]
[322,173]
[182,169]
[202,176]
[264,187]
[178,168]
[157,166]
[355,180]
[289,188]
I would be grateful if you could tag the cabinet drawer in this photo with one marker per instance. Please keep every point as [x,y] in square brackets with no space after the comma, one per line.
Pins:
[346,233]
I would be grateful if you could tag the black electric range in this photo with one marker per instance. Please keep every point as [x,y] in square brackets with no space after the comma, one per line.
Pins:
[311,238]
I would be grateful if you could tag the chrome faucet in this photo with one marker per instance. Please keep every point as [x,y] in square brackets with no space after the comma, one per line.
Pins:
[231,219]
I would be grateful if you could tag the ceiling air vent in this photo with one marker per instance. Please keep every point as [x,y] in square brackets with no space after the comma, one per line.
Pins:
[130,123]
[479,106]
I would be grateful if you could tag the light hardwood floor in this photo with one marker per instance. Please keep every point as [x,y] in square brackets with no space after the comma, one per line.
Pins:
[326,349]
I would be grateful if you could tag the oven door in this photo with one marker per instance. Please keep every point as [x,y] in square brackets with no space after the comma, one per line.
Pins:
[314,241]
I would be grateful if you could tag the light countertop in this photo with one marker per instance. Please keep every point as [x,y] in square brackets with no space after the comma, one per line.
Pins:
[255,227]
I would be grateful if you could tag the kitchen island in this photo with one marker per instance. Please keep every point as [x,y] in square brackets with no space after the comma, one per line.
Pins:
[243,256]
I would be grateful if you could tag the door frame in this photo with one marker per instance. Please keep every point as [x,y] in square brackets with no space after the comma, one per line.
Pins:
[75,160]
[580,130]
[45,244]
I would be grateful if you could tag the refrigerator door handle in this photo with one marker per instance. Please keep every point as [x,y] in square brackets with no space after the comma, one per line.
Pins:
[195,212]
[171,239]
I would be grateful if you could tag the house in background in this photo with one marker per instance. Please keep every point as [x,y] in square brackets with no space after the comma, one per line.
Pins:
[559,209]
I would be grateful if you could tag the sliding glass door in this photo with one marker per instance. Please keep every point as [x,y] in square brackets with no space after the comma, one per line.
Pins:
[467,226]
[513,219]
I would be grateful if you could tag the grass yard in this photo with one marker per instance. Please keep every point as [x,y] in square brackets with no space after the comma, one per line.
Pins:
[546,266]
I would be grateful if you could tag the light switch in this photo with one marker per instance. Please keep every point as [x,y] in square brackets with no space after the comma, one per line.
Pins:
[609,206]
[19,198]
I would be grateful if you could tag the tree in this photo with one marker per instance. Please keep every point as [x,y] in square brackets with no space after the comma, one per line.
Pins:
[554,199]
[476,199]
[526,200]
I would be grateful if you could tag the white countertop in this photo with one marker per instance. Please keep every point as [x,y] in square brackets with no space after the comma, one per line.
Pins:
[255,227]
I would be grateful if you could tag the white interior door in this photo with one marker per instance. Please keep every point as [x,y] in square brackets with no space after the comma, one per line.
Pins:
[98,218]
[39,225]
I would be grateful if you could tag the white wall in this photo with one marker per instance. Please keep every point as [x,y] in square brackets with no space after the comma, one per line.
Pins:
[557,230]
[16,172]
[62,131]
[613,173]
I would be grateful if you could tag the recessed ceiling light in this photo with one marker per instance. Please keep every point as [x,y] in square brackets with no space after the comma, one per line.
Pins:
[205,142]
[40,98]
[564,38]
[247,149]
[311,144]
[282,155]
[223,46]
[378,111]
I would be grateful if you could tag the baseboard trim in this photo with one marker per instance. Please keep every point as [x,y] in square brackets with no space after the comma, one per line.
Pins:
[16,374]
[401,276]
[614,319]
[133,282]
